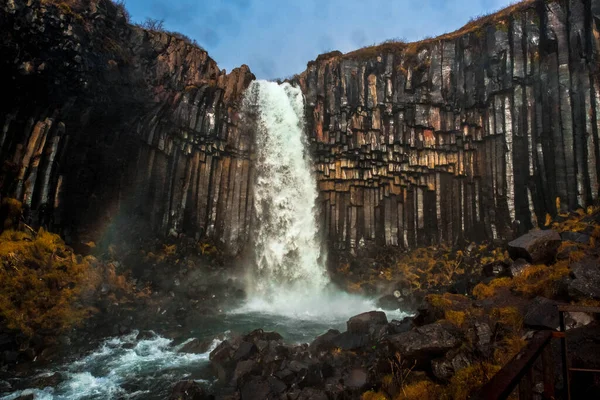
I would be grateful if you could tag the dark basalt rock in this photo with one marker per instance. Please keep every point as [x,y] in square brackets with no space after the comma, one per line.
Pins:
[196,346]
[188,390]
[324,342]
[576,237]
[518,267]
[542,313]
[586,282]
[422,344]
[537,247]
[497,269]
[373,324]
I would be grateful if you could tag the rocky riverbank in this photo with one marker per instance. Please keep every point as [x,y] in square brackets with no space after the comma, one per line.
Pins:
[454,343]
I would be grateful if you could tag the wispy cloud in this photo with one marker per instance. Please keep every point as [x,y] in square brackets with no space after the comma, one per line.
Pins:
[276,38]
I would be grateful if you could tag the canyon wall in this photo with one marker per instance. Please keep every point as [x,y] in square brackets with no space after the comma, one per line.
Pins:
[106,126]
[478,134]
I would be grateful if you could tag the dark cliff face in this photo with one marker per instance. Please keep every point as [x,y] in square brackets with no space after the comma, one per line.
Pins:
[474,135]
[103,122]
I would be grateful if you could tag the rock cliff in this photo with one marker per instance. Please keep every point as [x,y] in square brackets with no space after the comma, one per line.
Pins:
[476,134]
[103,121]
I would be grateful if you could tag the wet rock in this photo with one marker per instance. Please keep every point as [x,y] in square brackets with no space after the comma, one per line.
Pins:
[256,389]
[47,380]
[5,386]
[245,351]
[324,342]
[196,346]
[350,341]
[519,267]
[537,246]
[422,344]
[242,369]
[586,282]
[188,390]
[373,324]
[496,269]
[396,326]
[483,333]
[10,356]
[145,335]
[542,313]
[26,397]
[389,302]
[312,394]
[576,237]
[445,368]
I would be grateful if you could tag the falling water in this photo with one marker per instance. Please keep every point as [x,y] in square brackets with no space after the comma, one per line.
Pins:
[287,245]
[290,278]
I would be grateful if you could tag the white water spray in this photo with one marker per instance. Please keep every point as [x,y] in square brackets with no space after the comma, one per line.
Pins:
[287,245]
[291,279]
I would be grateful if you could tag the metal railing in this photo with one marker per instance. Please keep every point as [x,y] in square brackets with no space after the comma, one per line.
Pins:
[520,370]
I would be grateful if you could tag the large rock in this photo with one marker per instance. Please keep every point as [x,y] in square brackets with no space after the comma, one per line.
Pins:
[586,282]
[373,324]
[422,344]
[188,390]
[542,313]
[324,342]
[537,246]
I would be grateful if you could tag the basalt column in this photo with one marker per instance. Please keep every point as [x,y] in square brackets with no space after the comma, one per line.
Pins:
[473,135]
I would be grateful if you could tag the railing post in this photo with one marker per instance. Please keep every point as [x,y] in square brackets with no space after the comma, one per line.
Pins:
[565,358]
[548,372]
[526,386]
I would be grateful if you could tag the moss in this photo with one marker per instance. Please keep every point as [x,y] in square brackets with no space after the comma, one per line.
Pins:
[423,390]
[456,318]
[509,317]
[372,395]
[483,291]
[466,381]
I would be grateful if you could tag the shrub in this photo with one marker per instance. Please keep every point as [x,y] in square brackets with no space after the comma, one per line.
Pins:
[468,380]
[483,291]
[423,390]
[40,280]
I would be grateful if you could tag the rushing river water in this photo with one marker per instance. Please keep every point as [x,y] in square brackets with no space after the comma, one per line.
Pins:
[288,289]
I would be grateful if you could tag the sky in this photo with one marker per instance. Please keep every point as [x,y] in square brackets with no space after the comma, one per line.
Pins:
[277,38]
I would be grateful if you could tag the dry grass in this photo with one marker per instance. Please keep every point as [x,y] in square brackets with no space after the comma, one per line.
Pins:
[401,47]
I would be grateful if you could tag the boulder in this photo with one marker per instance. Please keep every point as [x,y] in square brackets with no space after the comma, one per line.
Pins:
[542,313]
[242,369]
[445,368]
[586,282]
[372,323]
[350,341]
[518,267]
[422,344]
[47,380]
[196,346]
[312,394]
[577,237]
[496,269]
[363,323]
[256,389]
[537,246]
[323,342]
[188,390]
[396,326]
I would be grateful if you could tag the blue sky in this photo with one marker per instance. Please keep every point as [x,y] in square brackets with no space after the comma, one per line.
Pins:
[276,38]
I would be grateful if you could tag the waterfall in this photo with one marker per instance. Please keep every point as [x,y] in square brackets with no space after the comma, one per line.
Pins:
[287,247]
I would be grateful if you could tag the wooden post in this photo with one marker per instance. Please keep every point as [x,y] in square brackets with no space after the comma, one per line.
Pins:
[526,385]
[565,358]
[548,372]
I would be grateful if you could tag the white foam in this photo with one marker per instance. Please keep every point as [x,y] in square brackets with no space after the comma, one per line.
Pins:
[287,246]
